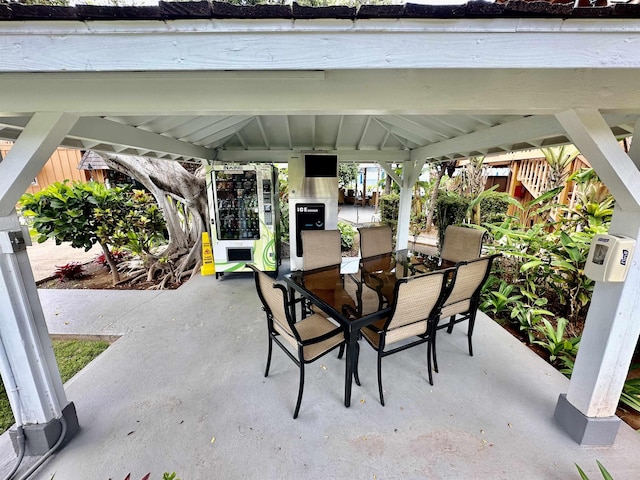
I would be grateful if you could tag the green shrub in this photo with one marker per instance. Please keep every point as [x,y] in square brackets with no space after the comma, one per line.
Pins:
[347,234]
[451,209]
[389,205]
[493,208]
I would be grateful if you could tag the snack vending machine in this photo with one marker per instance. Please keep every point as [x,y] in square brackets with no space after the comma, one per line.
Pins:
[245,217]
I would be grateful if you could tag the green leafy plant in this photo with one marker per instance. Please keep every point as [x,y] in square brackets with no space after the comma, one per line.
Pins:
[389,205]
[554,340]
[605,474]
[497,302]
[347,234]
[529,314]
[66,213]
[69,271]
[283,192]
[631,391]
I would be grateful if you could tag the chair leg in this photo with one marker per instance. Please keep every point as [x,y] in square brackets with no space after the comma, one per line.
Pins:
[266,371]
[432,345]
[452,322]
[472,321]
[380,378]
[429,362]
[341,351]
[356,375]
[295,413]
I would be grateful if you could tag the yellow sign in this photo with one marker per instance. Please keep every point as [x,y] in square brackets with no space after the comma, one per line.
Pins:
[208,267]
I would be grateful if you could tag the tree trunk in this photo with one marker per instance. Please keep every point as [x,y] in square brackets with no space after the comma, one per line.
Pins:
[181,195]
[111,262]
[434,197]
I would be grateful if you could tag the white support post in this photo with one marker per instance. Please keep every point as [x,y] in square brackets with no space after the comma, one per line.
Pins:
[410,173]
[37,142]
[27,360]
[587,411]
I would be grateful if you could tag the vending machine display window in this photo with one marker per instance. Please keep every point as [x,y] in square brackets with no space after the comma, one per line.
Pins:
[237,202]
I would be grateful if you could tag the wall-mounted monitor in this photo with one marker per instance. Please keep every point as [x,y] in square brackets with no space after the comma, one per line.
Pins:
[317,165]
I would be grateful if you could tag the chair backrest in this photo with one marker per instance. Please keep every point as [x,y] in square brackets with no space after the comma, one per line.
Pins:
[461,243]
[466,285]
[320,248]
[417,298]
[375,241]
[274,299]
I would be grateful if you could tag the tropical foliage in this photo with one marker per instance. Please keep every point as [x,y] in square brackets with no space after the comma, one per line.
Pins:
[88,213]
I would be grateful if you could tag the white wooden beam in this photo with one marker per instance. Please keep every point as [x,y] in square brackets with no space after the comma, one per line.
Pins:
[346,92]
[634,150]
[524,130]
[592,136]
[284,44]
[111,132]
[37,142]
[388,168]
[282,156]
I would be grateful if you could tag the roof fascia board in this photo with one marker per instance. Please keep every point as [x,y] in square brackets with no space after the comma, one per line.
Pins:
[186,45]
[343,92]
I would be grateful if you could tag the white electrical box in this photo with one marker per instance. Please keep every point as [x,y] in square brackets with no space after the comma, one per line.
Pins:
[609,258]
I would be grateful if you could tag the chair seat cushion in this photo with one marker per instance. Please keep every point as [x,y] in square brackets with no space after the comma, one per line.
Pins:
[311,327]
[455,308]
[393,335]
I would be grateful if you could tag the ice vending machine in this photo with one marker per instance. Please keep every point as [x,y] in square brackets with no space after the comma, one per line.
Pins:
[313,198]
[245,220]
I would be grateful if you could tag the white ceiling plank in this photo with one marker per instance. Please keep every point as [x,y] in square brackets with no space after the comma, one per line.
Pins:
[522,130]
[106,131]
[408,129]
[339,133]
[384,140]
[241,139]
[412,124]
[331,44]
[364,132]
[265,139]
[204,129]
[227,131]
[592,136]
[287,130]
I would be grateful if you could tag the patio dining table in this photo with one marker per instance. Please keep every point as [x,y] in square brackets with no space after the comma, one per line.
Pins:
[344,292]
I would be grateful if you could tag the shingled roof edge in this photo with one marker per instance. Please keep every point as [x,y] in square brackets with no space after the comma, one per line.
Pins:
[221,10]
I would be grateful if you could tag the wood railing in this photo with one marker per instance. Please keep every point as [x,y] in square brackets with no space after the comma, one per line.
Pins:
[533,175]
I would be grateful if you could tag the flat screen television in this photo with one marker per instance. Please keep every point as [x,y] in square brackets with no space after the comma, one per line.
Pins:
[320,165]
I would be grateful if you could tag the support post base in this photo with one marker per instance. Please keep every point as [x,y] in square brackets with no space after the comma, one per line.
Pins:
[41,437]
[585,430]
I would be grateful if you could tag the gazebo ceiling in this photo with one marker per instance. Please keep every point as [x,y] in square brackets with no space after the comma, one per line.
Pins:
[199,80]
[352,137]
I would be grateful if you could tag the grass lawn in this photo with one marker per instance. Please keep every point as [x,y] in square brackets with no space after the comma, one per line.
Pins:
[72,356]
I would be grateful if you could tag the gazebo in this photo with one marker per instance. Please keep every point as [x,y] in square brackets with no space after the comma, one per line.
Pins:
[394,84]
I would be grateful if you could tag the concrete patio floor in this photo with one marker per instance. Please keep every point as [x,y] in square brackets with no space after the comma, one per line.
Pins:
[183,390]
